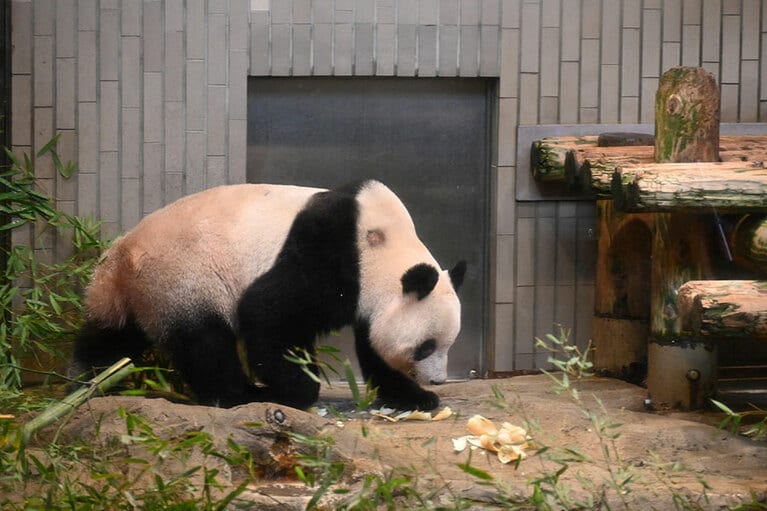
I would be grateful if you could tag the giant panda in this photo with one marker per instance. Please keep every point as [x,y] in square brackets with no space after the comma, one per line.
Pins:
[275,266]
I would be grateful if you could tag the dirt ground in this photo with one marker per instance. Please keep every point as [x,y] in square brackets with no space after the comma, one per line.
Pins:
[662,450]
[670,457]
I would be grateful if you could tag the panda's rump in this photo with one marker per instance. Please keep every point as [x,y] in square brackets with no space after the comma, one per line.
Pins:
[193,257]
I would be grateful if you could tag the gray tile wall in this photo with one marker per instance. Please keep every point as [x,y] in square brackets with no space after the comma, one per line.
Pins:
[149,96]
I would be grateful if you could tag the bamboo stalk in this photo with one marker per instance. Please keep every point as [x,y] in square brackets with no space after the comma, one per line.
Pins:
[100,383]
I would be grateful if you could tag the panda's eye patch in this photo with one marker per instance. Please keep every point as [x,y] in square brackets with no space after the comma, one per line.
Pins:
[425,350]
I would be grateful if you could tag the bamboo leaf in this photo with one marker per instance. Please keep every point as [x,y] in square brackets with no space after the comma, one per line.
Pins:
[475,472]
[49,146]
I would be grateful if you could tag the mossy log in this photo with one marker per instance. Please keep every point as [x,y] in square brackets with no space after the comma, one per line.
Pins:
[594,174]
[589,167]
[548,155]
[687,116]
[732,187]
[748,243]
[686,130]
[724,308]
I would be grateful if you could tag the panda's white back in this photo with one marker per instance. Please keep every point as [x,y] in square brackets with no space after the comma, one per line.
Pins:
[198,253]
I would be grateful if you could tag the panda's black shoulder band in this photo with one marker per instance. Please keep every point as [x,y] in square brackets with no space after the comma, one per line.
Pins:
[420,279]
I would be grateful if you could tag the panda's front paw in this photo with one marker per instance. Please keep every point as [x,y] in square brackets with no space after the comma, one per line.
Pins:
[428,401]
[421,400]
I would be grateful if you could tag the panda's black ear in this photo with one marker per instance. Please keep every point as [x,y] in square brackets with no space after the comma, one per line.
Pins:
[457,273]
[420,279]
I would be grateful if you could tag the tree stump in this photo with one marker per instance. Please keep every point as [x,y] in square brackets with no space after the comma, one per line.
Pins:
[687,116]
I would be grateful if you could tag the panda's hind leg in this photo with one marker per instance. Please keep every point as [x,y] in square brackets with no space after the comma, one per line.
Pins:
[205,353]
[97,347]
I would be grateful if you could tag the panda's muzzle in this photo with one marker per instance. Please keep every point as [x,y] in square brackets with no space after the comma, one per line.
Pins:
[431,369]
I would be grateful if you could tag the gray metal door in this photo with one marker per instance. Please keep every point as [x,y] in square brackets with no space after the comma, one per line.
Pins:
[427,139]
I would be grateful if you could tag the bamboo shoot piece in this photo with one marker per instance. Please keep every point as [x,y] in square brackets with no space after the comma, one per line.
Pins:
[724,308]
[732,187]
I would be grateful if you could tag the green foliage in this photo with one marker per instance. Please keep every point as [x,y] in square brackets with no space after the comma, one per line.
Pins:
[40,300]
[568,358]
[132,473]
[319,469]
[319,369]
[733,421]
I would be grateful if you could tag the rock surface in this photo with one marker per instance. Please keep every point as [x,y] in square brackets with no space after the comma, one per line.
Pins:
[666,455]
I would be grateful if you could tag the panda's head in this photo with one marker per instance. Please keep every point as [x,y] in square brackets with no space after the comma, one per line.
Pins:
[414,333]
[408,301]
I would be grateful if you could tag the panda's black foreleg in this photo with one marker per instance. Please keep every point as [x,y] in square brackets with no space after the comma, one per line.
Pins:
[205,353]
[98,347]
[394,388]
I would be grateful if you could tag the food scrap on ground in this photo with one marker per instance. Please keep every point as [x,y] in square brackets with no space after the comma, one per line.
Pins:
[413,415]
[509,442]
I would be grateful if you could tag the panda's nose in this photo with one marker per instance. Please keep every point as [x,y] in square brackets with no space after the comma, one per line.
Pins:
[437,382]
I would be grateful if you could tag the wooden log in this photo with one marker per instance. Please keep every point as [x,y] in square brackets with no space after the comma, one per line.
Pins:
[579,154]
[625,139]
[624,243]
[589,166]
[621,320]
[687,116]
[547,157]
[724,308]
[681,252]
[733,187]
[594,173]
[748,243]
[686,129]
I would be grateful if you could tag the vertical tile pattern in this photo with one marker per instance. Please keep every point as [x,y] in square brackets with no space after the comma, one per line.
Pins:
[150,97]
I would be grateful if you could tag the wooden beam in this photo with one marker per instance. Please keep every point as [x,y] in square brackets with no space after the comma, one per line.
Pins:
[724,308]
[732,187]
